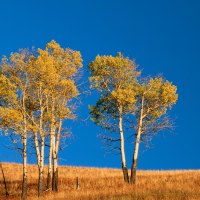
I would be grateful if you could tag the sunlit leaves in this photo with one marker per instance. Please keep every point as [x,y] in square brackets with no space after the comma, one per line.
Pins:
[11,118]
[116,79]
[44,78]
[110,73]
[159,95]
[7,89]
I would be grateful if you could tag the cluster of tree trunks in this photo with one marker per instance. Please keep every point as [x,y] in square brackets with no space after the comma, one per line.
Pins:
[123,94]
[35,91]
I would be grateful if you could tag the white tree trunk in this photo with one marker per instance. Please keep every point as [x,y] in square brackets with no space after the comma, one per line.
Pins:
[24,184]
[41,169]
[58,136]
[55,167]
[37,148]
[137,143]
[49,176]
[55,145]
[42,136]
[24,143]
[122,148]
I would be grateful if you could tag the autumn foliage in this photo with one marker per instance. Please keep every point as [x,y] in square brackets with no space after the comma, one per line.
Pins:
[37,92]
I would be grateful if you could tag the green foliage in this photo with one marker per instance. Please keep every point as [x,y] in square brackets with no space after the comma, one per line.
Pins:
[116,79]
[104,111]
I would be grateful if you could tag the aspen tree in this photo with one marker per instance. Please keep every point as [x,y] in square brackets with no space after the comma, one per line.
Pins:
[56,67]
[44,85]
[13,115]
[67,64]
[114,78]
[35,116]
[154,98]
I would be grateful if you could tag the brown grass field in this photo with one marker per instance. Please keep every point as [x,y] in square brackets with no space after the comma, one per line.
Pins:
[99,183]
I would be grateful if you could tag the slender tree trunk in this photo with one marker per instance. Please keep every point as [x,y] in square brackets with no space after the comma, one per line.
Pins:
[49,175]
[122,149]
[24,143]
[52,141]
[41,164]
[37,148]
[55,158]
[40,161]
[137,143]
[41,169]
[24,183]
[55,174]
[55,169]
[135,158]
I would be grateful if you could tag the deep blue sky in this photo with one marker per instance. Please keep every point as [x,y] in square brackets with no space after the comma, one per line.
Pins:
[163,37]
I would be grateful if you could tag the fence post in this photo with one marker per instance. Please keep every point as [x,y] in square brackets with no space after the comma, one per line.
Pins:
[77,183]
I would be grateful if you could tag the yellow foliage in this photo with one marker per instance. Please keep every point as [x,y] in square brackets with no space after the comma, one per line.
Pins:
[41,85]
[108,72]
[7,89]
[11,118]
[55,66]
[115,75]
[124,96]
[158,96]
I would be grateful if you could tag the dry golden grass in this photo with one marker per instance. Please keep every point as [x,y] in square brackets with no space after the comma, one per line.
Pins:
[99,183]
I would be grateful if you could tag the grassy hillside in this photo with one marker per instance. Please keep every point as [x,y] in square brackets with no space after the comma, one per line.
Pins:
[96,183]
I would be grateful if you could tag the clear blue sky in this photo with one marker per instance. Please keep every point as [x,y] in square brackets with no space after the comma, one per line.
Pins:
[163,37]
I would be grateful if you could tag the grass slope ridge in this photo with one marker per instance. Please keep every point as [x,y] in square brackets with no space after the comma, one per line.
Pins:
[99,183]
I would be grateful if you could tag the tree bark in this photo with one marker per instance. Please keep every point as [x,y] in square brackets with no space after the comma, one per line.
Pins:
[49,175]
[40,161]
[41,170]
[41,182]
[24,143]
[137,143]
[55,145]
[42,136]
[134,162]
[55,176]
[24,183]
[122,149]
[52,142]
[49,179]
[37,148]
[55,169]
